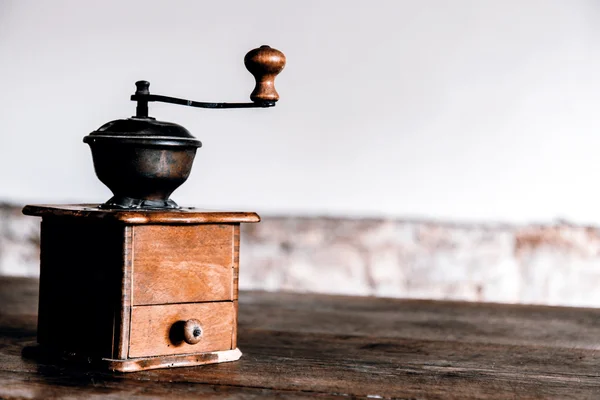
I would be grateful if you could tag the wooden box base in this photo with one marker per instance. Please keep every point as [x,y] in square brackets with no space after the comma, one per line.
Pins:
[136,290]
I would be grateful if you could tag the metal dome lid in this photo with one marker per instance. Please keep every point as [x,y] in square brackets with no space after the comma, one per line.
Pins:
[143,131]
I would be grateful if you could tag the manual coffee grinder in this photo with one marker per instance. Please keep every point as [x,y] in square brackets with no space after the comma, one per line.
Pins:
[139,282]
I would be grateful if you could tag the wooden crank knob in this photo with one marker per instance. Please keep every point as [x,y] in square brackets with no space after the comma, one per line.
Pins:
[264,63]
[192,331]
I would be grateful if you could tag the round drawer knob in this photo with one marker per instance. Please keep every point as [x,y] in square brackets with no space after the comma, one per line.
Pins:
[192,331]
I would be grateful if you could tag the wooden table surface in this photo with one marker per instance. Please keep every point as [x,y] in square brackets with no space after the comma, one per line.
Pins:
[306,345]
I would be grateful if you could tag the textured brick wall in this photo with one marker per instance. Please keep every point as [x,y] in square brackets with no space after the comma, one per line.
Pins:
[553,264]
[558,264]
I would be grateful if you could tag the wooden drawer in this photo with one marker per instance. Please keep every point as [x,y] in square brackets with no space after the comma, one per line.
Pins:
[158,330]
[182,264]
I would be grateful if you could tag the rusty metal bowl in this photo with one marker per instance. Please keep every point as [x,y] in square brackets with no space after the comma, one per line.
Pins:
[142,161]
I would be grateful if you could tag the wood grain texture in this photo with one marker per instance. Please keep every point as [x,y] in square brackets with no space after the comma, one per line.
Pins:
[235,325]
[510,324]
[182,264]
[236,261]
[298,345]
[50,356]
[158,330]
[122,322]
[104,386]
[181,216]
[171,361]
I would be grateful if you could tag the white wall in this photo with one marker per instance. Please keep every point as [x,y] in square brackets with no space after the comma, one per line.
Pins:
[462,110]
